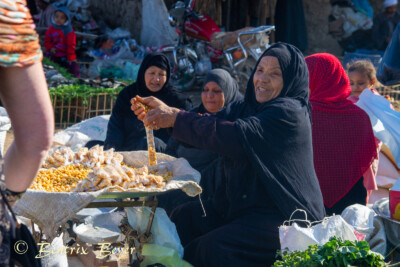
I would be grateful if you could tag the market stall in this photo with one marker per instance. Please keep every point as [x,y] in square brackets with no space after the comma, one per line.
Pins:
[103,179]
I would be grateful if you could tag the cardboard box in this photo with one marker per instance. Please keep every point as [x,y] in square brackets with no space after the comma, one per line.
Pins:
[394,201]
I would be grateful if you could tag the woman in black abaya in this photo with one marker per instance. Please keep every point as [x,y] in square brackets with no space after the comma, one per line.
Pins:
[219,90]
[125,132]
[266,148]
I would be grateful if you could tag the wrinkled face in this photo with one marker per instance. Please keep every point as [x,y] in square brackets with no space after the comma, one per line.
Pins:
[268,79]
[213,97]
[155,78]
[59,18]
[390,10]
[359,82]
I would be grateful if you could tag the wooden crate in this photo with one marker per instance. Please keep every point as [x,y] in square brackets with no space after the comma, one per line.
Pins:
[69,111]
[100,104]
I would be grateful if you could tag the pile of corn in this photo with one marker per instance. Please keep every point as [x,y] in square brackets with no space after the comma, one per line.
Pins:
[92,170]
[61,179]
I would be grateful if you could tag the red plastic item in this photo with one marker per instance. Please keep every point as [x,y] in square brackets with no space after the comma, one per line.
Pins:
[201,28]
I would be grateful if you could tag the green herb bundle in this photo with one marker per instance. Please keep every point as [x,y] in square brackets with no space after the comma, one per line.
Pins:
[83,91]
[335,253]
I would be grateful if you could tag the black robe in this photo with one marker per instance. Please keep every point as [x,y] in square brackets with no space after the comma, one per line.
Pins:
[268,171]
[204,161]
[125,132]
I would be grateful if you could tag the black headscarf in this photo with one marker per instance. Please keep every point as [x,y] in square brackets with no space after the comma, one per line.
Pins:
[295,77]
[229,87]
[168,94]
[277,136]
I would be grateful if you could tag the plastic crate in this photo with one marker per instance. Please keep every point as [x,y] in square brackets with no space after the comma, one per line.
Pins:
[393,92]
[351,57]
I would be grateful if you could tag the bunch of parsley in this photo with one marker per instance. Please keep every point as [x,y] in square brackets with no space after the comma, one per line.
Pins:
[335,253]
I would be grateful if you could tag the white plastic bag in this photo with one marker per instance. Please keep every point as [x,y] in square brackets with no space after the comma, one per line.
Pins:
[365,221]
[156,30]
[293,237]
[52,256]
[5,125]
[79,134]
[163,230]
[385,121]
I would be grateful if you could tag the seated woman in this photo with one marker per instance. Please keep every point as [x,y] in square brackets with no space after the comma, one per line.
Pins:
[219,90]
[266,157]
[125,132]
[343,141]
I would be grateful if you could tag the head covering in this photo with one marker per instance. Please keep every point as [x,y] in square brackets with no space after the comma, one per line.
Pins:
[66,27]
[295,77]
[343,141]
[229,87]
[277,137]
[168,94]
[388,3]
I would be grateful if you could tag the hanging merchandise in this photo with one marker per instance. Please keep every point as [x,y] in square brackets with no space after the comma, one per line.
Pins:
[156,30]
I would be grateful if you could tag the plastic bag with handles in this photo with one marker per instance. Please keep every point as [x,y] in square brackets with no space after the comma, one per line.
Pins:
[294,237]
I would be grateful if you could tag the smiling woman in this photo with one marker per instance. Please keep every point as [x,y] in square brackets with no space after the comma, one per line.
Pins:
[125,132]
[267,172]
[268,80]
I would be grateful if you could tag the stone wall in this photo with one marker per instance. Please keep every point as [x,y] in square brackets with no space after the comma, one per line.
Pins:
[316,13]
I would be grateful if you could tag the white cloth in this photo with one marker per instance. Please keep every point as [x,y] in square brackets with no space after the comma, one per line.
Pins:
[385,121]
[388,3]
[79,134]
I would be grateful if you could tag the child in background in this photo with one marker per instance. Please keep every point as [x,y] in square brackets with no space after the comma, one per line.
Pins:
[362,75]
[60,41]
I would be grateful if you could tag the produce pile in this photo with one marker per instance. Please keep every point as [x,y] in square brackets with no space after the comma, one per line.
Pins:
[93,169]
[336,252]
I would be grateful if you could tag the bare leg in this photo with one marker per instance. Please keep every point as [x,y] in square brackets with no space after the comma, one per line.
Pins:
[25,96]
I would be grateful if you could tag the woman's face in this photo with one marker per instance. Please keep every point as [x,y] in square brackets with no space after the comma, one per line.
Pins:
[155,78]
[213,97]
[359,82]
[268,80]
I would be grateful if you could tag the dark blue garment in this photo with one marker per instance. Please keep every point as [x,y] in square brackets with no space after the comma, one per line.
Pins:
[204,161]
[267,168]
[388,71]
[125,132]
[213,241]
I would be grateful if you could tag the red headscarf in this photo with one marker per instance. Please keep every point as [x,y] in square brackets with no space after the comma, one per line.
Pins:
[343,141]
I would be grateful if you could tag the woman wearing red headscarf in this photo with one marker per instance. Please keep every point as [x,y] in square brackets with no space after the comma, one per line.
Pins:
[343,141]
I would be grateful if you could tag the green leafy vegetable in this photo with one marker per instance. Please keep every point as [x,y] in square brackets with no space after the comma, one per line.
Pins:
[335,253]
[81,91]
[60,69]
